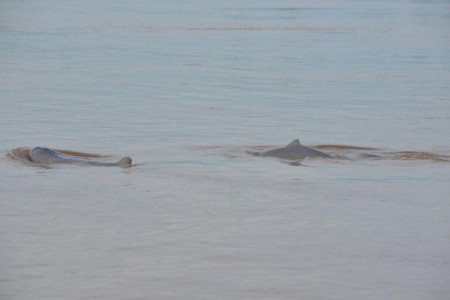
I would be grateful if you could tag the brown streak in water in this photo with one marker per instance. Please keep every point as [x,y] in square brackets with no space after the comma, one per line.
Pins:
[413,155]
[20,153]
[80,154]
[344,147]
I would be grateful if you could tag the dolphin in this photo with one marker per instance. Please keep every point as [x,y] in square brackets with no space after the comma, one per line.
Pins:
[293,151]
[42,155]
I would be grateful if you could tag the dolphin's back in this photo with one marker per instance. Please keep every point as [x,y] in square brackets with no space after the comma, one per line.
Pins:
[294,151]
[42,155]
[310,152]
[285,153]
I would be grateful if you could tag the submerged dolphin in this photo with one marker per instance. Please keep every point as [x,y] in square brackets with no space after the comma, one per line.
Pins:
[48,156]
[293,151]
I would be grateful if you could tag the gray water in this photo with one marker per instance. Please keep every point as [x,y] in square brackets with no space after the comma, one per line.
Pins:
[186,88]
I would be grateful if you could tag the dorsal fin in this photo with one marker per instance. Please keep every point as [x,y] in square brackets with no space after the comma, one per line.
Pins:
[294,143]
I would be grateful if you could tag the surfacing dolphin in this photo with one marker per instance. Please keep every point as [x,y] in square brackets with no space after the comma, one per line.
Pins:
[42,155]
[293,151]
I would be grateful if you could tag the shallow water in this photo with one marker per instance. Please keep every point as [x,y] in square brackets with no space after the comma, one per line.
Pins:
[186,89]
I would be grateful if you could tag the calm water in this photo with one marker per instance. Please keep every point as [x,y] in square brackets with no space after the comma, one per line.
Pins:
[185,88]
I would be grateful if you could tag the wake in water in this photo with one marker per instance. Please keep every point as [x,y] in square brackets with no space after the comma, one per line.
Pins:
[352,152]
[293,154]
[335,152]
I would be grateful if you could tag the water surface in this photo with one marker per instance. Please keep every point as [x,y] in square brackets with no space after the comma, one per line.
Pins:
[185,88]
